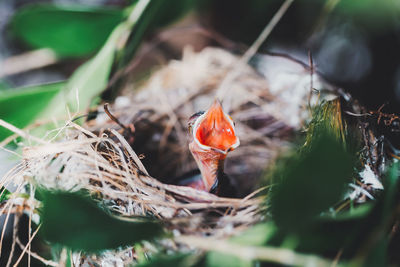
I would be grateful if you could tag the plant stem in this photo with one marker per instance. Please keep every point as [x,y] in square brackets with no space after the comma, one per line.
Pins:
[269,254]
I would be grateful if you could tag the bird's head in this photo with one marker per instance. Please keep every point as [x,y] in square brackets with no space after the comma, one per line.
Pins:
[214,130]
[213,136]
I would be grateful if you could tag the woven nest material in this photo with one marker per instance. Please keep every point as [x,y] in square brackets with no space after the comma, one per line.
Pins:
[130,168]
[266,113]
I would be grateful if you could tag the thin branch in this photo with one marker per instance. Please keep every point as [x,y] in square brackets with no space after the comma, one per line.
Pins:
[132,153]
[113,118]
[31,198]
[311,63]
[224,86]
[20,132]
[165,36]
[36,256]
[14,239]
[5,222]
[26,247]
[28,61]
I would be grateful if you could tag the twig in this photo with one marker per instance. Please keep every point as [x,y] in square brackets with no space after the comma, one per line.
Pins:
[165,36]
[256,192]
[310,61]
[224,86]
[113,118]
[28,61]
[31,198]
[20,132]
[26,247]
[132,153]
[138,11]
[337,258]
[14,237]
[326,10]
[5,222]
[36,256]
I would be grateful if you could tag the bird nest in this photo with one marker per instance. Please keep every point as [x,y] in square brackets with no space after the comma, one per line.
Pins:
[130,155]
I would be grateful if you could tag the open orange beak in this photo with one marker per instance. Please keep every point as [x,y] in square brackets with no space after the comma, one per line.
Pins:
[215,130]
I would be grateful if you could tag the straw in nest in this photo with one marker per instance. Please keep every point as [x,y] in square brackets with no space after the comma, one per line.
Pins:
[131,169]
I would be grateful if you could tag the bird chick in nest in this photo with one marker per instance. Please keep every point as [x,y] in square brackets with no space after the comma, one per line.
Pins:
[212,136]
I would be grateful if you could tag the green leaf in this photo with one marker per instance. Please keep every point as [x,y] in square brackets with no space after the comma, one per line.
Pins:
[90,79]
[310,182]
[4,85]
[75,221]
[69,261]
[351,232]
[257,235]
[217,259]
[20,106]
[176,260]
[378,256]
[356,213]
[5,194]
[370,14]
[71,31]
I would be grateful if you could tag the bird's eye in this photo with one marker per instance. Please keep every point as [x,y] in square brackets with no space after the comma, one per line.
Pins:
[193,119]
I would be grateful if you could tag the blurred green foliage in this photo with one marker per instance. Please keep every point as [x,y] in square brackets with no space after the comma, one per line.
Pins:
[258,235]
[307,184]
[301,216]
[176,260]
[4,85]
[74,31]
[70,31]
[89,80]
[79,31]
[5,194]
[310,183]
[327,119]
[74,220]
[21,105]
[374,16]
[217,259]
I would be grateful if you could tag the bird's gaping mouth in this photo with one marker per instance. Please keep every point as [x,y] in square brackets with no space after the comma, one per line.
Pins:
[215,130]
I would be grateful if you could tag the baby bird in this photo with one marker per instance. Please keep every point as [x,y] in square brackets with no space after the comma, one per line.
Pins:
[213,136]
